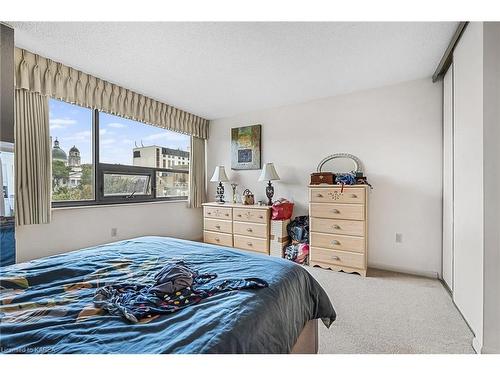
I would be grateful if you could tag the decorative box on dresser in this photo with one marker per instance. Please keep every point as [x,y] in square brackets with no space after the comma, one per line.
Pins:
[338,224]
[237,225]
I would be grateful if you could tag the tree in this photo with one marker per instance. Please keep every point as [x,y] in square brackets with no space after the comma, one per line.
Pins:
[86,175]
[60,173]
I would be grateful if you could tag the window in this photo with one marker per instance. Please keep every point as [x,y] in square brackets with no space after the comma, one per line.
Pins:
[100,158]
[72,156]
[128,185]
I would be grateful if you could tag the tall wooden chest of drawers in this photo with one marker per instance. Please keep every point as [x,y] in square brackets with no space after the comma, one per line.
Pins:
[338,227]
[237,225]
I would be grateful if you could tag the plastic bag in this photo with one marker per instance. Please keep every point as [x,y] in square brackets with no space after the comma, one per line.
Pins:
[297,253]
[282,209]
[298,229]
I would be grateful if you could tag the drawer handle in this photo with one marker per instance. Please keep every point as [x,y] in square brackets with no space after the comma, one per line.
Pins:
[335,242]
[261,217]
[239,215]
[249,230]
[335,211]
[334,257]
[354,196]
[209,213]
[319,195]
[336,226]
[217,226]
[249,244]
[217,239]
[227,214]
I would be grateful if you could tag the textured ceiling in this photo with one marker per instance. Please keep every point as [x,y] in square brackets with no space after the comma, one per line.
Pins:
[221,69]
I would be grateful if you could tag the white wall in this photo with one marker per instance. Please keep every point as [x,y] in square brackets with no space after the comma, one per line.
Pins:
[447,259]
[396,131]
[468,178]
[491,93]
[76,228]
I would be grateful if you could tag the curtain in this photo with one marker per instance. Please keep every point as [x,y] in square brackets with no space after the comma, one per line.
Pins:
[2,199]
[32,158]
[197,189]
[38,74]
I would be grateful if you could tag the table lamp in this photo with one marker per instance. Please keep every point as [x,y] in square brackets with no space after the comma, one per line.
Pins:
[269,174]
[220,177]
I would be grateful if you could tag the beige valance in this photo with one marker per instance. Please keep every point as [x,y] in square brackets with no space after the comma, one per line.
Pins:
[41,75]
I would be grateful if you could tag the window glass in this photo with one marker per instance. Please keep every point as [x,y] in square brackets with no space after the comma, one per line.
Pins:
[171,184]
[71,138]
[129,142]
[132,157]
[129,185]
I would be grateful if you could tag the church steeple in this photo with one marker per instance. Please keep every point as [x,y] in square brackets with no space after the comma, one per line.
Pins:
[74,157]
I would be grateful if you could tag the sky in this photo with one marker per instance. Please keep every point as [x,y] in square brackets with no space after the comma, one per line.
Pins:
[72,125]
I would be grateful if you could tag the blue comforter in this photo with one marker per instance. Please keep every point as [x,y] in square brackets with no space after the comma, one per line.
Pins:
[46,304]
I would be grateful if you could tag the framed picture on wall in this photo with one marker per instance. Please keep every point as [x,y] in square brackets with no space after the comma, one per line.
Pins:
[245,147]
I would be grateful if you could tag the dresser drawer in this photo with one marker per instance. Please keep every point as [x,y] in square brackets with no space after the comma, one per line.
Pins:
[338,242]
[334,195]
[251,243]
[215,225]
[339,258]
[250,215]
[215,238]
[338,226]
[218,212]
[251,229]
[338,211]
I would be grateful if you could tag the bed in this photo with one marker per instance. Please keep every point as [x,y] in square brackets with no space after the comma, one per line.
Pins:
[47,304]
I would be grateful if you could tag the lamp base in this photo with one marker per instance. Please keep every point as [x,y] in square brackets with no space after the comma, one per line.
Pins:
[219,197]
[269,193]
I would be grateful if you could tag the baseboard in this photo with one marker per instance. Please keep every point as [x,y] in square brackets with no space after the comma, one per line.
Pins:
[409,271]
[477,345]
[489,350]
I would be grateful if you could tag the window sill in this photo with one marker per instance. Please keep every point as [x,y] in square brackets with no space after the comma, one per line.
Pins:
[107,205]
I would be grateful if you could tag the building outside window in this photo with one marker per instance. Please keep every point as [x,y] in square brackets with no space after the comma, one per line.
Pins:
[168,183]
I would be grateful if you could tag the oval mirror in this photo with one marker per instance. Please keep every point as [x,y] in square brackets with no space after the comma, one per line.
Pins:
[340,163]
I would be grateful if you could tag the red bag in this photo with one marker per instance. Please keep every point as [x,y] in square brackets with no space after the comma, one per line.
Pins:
[282,209]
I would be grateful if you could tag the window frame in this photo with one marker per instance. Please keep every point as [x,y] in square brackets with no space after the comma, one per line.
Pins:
[99,169]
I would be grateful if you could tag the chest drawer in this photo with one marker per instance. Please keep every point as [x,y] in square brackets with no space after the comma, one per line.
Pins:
[336,195]
[217,212]
[338,242]
[215,238]
[338,211]
[215,225]
[339,258]
[251,229]
[250,243]
[250,215]
[338,226]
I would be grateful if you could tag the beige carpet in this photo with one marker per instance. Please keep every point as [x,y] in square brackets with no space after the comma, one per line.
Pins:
[389,312]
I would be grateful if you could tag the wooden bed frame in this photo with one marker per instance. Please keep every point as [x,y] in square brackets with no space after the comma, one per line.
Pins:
[307,343]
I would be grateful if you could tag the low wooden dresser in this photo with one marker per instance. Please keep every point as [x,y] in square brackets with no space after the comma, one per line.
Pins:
[237,225]
[338,227]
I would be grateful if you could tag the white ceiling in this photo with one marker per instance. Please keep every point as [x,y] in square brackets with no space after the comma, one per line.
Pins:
[221,69]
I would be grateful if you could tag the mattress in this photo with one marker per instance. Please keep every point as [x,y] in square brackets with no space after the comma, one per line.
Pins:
[47,304]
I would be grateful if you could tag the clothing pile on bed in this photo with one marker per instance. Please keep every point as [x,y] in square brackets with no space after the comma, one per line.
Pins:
[176,287]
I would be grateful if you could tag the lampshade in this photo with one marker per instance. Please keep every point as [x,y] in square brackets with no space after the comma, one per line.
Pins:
[269,173]
[219,175]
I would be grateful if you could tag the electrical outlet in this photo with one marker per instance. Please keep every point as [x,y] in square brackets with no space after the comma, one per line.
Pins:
[114,232]
[399,237]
